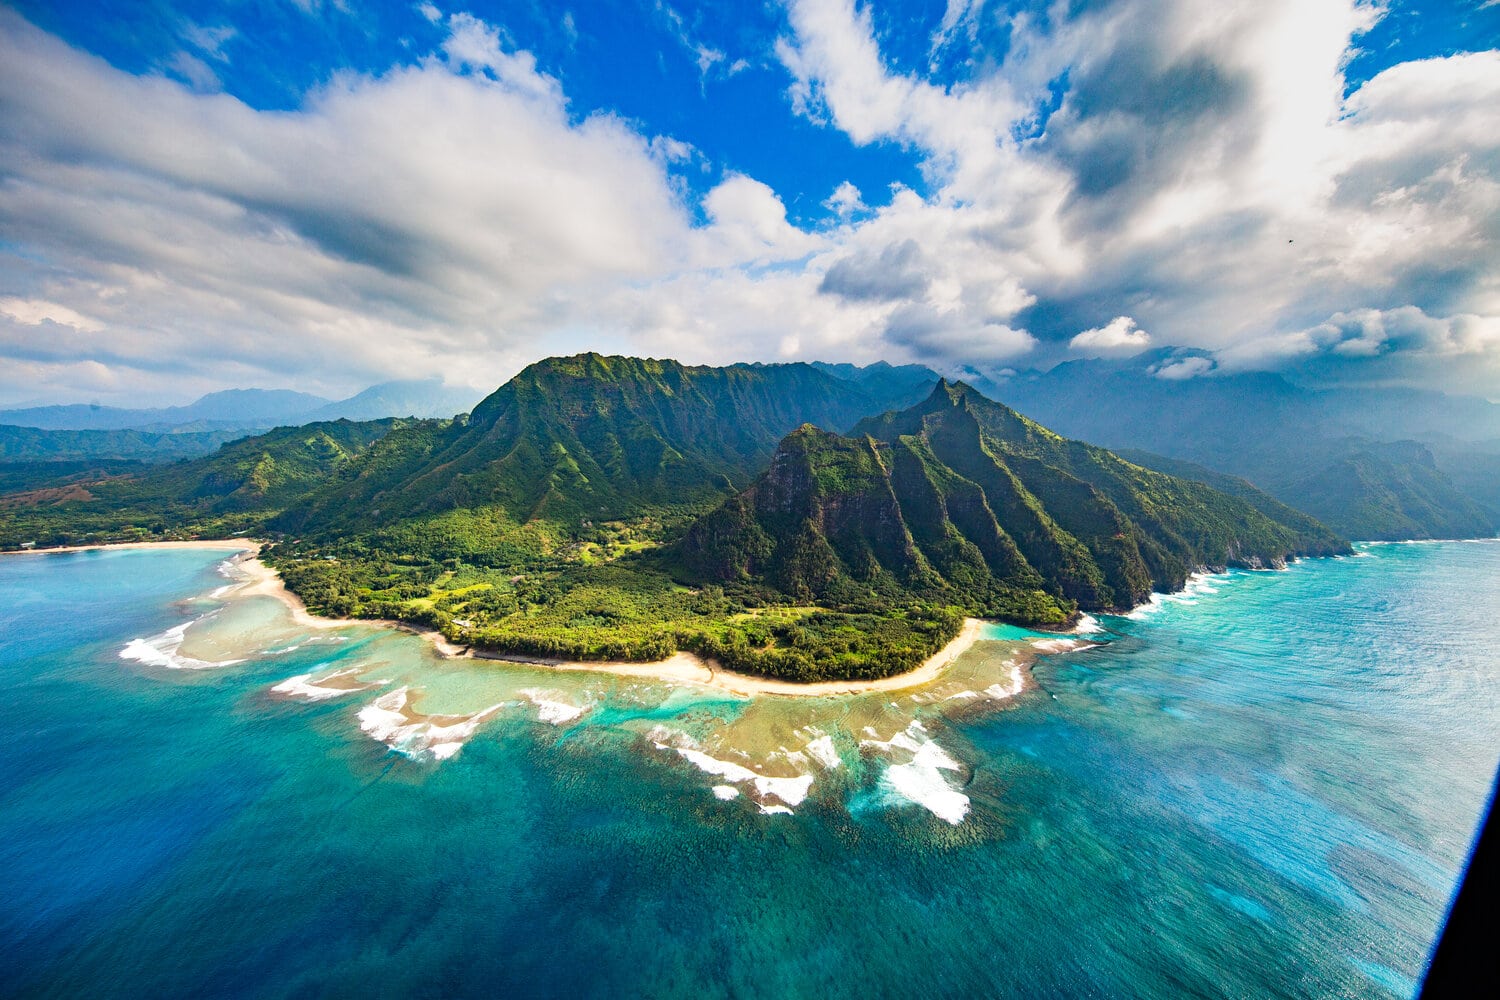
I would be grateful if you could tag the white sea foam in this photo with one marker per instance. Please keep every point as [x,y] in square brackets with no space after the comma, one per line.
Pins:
[788,791]
[305,688]
[928,789]
[161,651]
[999,691]
[1053,646]
[550,709]
[389,720]
[920,779]
[1151,607]
[1197,584]
[796,758]
[1087,625]
[822,750]
[1200,583]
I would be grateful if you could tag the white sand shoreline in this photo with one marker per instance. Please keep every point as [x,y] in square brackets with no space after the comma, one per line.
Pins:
[681,668]
[690,668]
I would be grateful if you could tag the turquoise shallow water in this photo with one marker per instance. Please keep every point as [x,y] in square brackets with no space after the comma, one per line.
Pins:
[1266,788]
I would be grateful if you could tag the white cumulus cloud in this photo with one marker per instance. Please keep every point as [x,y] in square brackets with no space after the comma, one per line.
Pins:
[1204,176]
[1119,336]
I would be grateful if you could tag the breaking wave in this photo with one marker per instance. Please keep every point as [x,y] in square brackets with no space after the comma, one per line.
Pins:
[390,720]
[162,651]
[922,777]
[772,794]
[334,685]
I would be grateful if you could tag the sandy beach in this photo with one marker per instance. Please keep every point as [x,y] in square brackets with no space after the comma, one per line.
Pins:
[682,668]
[266,582]
[693,669]
[929,671]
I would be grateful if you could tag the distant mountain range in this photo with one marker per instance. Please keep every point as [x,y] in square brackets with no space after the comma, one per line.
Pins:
[566,440]
[228,492]
[83,433]
[1369,463]
[253,408]
[902,385]
[29,444]
[234,407]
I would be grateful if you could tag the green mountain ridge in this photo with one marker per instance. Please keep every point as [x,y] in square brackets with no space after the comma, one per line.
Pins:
[236,489]
[1343,455]
[27,444]
[962,500]
[80,433]
[1380,492]
[1387,491]
[1235,486]
[588,438]
[618,508]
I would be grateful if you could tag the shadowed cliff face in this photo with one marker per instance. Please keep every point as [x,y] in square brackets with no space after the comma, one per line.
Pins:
[964,500]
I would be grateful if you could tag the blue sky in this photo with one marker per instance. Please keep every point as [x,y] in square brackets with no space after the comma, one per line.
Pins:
[702,73]
[322,194]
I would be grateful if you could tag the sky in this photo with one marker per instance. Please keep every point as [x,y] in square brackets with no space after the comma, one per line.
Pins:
[325,194]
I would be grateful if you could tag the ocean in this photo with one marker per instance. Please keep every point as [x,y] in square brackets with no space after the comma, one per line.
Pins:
[1263,787]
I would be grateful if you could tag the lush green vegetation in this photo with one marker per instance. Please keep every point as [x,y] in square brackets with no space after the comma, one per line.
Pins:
[587,438]
[237,490]
[597,509]
[828,645]
[1310,448]
[1388,491]
[960,501]
[19,477]
[624,609]
[28,444]
[1363,489]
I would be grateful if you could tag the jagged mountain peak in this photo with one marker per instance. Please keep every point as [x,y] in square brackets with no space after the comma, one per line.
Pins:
[593,436]
[962,500]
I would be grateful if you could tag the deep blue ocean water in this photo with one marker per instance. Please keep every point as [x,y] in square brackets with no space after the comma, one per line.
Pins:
[1265,789]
